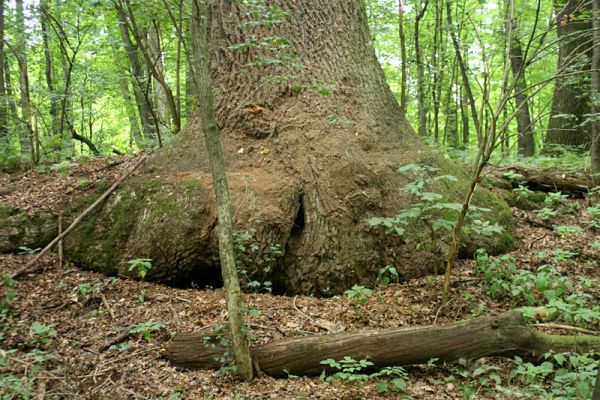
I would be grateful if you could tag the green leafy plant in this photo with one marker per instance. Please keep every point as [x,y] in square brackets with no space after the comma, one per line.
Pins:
[141,265]
[255,256]
[546,287]
[147,329]
[359,294]
[42,333]
[560,376]
[396,378]
[348,369]
[547,213]
[388,274]
[430,209]
[522,192]
[567,230]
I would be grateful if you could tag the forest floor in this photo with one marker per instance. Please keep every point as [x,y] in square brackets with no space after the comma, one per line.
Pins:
[68,332]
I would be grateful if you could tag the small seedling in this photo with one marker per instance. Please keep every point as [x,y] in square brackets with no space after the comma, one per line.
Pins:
[42,333]
[142,265]
[388,274]
[359,294]
[146,329]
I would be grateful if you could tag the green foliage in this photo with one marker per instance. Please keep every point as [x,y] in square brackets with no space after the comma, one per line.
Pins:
[388,274]
[348,369]
[359,294]
[253,255]
[522,192]
[147,329]
[42,333]
[568,230]
[430,209]
[390,379]
[561,376]
[546,287]
[397,383]
[83,290]
[141,265]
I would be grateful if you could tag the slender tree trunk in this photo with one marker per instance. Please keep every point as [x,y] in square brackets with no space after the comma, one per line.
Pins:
[420,72]
[464,73]
[26,135]
[439,53]
[160,97]
[595,93]
[464,116]
[50,75]
[4,132]
[10,94]
[526,141]
[194,59]
[403,58]
[180,44]
[139,81]
[210,130]
[152,67]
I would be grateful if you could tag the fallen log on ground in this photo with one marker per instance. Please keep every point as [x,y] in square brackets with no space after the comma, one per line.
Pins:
[569,182]
[505,334]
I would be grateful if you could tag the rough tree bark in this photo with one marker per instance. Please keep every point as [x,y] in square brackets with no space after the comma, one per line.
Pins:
[312,147]
[505,334]
[570,101]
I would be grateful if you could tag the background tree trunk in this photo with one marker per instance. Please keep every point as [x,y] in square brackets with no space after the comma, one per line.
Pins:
[403,58]
[422,110]
[570,101]
[139,81]
[154,48]
[595,94]
[49,73]
[4,133]
[26,134]
[310,158]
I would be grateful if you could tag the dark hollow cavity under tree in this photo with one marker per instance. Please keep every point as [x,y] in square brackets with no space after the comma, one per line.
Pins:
[313,138]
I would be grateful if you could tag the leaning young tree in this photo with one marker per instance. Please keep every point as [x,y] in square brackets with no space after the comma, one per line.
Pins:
[312,137]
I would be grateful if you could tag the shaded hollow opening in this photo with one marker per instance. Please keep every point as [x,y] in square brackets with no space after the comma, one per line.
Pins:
[279,280]
[201,277]
[299,221]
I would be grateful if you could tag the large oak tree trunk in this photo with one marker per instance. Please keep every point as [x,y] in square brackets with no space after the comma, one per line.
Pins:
[505,334]
[312,138]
